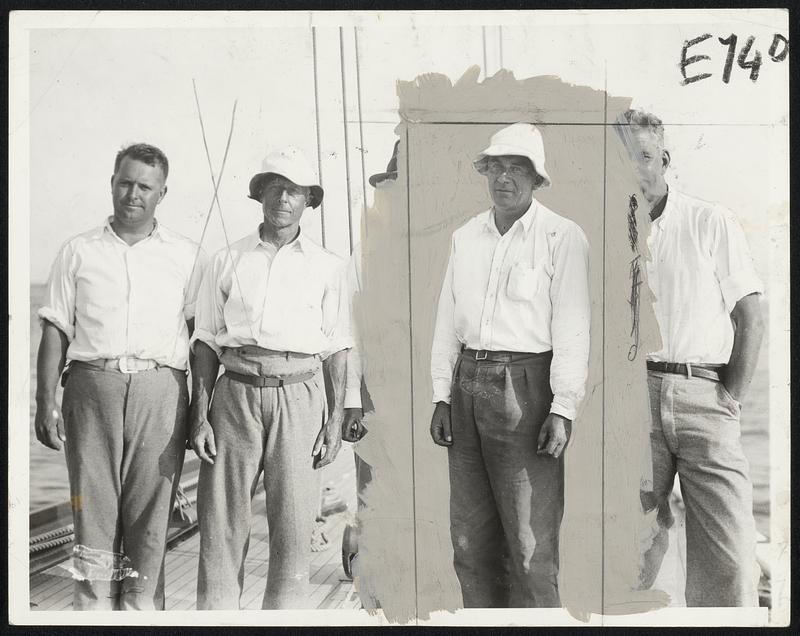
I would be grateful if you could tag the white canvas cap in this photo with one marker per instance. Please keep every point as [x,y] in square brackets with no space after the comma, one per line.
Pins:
[291,163]
[518,139]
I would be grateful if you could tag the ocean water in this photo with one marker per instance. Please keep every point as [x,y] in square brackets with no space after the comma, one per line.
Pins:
[49,482]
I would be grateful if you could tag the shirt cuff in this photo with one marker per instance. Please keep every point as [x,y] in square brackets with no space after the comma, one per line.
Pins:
[189,311]
[335,346]
[352,397]
[45,313]
[441,392]
[738,285]
[563,407]
[208,338]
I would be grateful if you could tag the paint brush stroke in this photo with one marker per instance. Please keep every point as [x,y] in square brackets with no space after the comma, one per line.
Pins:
[405,550]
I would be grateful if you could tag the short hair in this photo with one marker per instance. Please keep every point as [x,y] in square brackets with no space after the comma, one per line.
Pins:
[641,120]
[145,153]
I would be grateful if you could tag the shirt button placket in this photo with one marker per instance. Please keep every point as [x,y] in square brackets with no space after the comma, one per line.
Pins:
[129,327]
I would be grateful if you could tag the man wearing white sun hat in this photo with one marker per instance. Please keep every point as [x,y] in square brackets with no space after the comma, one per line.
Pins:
[272,307]
[509,364]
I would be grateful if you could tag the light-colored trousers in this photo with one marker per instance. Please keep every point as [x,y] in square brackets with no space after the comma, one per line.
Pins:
[506,502]
[257,430]
[126,439]
[695,433]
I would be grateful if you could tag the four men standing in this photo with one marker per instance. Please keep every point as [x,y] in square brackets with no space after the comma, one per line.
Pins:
[509,363]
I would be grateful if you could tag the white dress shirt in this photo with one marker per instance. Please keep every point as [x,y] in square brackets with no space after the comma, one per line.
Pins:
[700,267]
[355,371]
[289,299]
[524,291]
[112,299]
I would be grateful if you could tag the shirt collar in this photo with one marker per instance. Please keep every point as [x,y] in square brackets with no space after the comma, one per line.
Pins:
[158,230]
[526,220]
[301,243]
[668,202]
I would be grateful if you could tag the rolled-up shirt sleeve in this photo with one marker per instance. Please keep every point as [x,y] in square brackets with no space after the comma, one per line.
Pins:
[352,390]
[336,314]
[209,320]
[59,305]
[355,372]
[733,263]
[194,283]
[569,295]
[446,344]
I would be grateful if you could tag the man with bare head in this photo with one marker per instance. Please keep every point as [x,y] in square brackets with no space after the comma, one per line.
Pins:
[119,310]
[709,317]
[509,365]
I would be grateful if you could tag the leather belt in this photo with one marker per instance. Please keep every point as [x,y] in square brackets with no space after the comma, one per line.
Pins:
[483,355]
[261,381]
[707,371]
[124,364]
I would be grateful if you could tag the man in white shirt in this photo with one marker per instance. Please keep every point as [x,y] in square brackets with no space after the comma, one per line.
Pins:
[271,308]
[119,307]
[509,365]
[709,316]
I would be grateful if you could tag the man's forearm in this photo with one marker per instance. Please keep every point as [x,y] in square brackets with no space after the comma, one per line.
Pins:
[205,366]
[748,333]
[50,363]
[335,367]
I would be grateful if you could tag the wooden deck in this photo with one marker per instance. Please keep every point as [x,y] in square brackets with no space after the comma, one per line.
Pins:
[51,589]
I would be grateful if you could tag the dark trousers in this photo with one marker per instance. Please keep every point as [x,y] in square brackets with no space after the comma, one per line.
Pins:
[506,502]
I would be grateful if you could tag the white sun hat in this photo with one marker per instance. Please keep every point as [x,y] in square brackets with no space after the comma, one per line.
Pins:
[519,139]
[291,163]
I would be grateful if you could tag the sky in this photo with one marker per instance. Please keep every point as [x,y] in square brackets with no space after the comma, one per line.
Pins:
[94,87]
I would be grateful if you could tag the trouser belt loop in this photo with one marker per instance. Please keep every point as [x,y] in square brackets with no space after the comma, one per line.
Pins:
[688,370]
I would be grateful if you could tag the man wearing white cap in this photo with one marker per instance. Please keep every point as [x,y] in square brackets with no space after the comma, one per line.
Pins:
[271,308]
[709,318]
[509,365]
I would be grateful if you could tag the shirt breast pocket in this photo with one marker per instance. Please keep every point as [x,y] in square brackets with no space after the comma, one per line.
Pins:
[525,283]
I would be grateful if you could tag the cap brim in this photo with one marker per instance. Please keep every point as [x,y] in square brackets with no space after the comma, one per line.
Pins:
[375,179]
[254,189]
[498,150]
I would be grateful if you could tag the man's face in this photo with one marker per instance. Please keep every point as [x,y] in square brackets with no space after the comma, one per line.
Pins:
[511,180]
[283,202]
[136,190]
[650,161]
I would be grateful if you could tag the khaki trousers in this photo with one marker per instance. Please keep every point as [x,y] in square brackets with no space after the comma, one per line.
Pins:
[695,433]
[260,431]
[126,439]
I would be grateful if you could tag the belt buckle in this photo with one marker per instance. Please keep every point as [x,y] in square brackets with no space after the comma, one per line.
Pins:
[478,355]
[123,365]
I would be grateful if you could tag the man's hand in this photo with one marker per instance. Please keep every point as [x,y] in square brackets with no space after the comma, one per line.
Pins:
[329,439]
[353,428]
[554,435]
[49,425]
[201,437]
[441,427]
